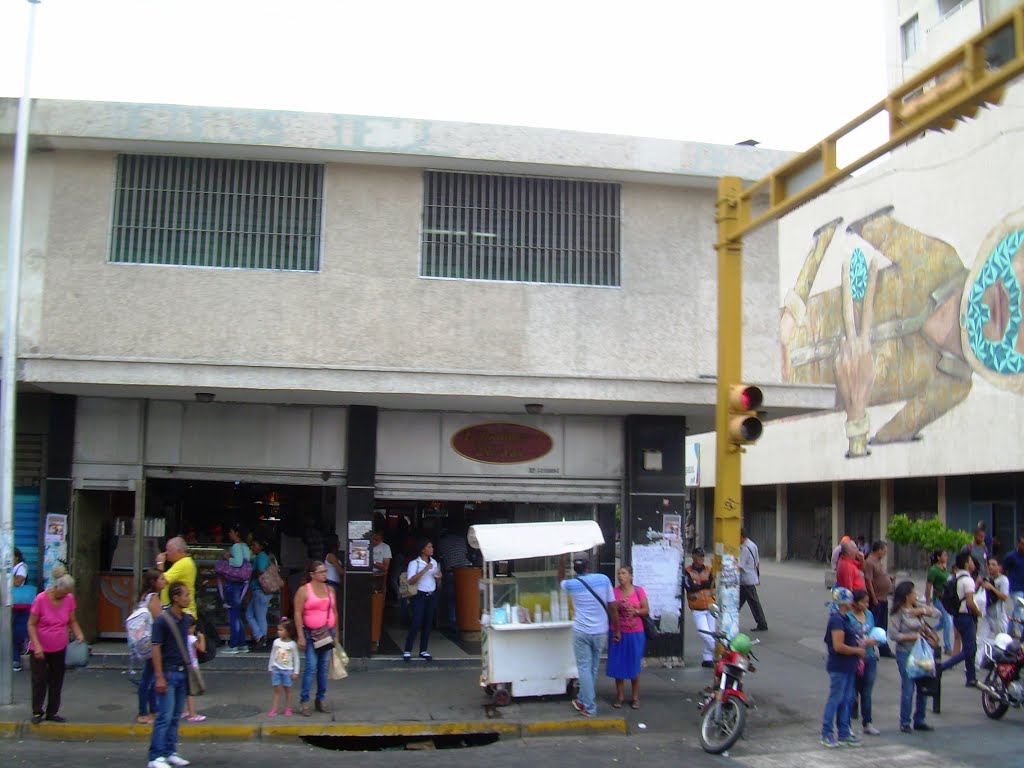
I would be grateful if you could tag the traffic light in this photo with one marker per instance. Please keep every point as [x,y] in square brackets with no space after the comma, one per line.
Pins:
[744,423]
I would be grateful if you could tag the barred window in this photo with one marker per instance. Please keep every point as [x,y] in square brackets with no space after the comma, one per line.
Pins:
[208,212]
[520,228]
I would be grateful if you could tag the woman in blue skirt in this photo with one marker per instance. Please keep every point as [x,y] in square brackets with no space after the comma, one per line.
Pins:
[626,649]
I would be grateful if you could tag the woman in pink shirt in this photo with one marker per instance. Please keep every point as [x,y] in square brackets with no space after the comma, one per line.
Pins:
[315,609]
[52,614]
[626,647]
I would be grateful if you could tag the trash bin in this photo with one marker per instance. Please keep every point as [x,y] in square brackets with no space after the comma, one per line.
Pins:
[467,598]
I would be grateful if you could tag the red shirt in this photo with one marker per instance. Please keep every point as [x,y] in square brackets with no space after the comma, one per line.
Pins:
[849,574]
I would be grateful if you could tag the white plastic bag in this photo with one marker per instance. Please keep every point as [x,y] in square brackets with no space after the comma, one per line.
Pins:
[921,662]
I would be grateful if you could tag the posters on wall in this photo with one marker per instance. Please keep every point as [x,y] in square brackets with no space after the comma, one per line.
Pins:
[656,568]
[55,547]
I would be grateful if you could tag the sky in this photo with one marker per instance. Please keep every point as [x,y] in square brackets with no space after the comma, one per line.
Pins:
[785,73]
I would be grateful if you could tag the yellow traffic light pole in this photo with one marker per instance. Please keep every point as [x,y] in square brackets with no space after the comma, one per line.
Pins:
[953,88]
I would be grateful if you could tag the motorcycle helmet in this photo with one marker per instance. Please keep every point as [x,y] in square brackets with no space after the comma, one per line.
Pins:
[1002,641]
[877,633]
[741,644]
[842,596]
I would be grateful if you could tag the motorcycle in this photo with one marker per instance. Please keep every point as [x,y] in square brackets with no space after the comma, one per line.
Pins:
[1002,687]
[724,708]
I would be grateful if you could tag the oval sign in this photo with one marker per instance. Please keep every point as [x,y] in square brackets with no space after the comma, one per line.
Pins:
[502,443]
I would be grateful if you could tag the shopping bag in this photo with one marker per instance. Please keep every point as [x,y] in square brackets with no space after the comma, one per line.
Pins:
[76,654]
[339,663]
[921,662]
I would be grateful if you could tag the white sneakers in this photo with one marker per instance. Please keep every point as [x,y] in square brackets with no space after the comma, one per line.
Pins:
[165,762]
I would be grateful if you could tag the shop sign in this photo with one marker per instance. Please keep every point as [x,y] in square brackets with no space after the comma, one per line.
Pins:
[502,443]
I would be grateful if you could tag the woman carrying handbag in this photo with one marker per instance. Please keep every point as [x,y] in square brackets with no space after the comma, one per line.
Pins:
[316,621]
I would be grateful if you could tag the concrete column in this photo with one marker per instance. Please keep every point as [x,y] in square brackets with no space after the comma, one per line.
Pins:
[838,512]
[885,513]
[941,511]
[781,522]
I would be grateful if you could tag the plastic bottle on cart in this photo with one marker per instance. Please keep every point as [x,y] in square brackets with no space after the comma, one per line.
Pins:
[563,607]
[514,615]
[554,606]
[537,614]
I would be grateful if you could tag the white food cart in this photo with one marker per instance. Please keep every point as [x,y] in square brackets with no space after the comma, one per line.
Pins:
[526,639]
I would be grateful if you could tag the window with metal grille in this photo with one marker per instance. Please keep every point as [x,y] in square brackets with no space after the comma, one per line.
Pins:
[208,212]
[520,228]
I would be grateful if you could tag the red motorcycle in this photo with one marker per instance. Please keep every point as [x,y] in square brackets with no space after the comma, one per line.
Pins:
[724,709]
[1002,687]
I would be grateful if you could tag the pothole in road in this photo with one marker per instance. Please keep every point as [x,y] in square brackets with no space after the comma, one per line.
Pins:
[400,743]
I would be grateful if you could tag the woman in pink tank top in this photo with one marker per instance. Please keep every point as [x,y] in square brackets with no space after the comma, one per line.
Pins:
[315,608]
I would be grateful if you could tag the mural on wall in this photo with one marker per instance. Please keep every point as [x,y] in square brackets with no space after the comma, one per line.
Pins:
[913,332]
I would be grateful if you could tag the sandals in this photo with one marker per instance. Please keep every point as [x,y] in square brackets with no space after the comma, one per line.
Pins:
[617,704]
[635,704]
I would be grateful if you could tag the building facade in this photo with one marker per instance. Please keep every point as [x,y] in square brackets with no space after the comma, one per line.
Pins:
[327,323]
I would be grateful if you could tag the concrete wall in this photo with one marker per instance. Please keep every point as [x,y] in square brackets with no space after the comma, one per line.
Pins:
[368,307]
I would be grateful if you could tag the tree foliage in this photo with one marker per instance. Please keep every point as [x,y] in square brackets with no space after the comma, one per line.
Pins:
[928,534]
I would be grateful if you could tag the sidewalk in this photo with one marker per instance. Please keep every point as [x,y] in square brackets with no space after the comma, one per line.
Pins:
[101,704]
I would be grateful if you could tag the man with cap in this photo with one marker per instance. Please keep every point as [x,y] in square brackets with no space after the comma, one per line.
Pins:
[699,585]
[596,609]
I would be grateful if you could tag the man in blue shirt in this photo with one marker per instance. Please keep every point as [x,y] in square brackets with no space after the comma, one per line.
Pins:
[595,609]
[1013,568]
[170,672]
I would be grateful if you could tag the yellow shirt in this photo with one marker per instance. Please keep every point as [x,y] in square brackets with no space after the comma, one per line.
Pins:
[183,570]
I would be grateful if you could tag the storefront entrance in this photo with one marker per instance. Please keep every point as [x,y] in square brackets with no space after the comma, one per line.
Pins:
[405,524]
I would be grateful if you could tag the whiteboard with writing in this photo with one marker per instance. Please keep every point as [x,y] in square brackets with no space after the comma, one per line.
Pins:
[656,568]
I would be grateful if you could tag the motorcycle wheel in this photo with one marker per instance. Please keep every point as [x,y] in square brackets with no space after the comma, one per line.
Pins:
[992,705]
[721,726]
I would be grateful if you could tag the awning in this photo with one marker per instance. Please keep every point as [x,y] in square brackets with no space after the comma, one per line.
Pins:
[511,541]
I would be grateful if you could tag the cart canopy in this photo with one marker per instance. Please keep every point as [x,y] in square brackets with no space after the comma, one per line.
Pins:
[511,541]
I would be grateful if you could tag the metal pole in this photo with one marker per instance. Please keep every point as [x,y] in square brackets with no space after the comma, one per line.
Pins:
[728,480]
[9,380]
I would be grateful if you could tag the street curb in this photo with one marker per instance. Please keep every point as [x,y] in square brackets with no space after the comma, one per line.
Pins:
[205,733]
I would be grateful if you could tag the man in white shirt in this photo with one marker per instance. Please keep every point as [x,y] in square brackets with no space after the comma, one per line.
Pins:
[750,577]
[595,609]
[966,619]
[381,557]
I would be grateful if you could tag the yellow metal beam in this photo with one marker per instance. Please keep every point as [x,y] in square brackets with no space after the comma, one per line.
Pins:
[954,86]
[728,491]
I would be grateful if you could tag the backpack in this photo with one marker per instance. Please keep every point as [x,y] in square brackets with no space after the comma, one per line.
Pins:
[950,599]
[139,628]
[270,580]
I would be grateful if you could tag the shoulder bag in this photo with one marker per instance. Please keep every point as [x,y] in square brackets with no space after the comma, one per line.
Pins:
[196,684]
[321,636]
[405,589]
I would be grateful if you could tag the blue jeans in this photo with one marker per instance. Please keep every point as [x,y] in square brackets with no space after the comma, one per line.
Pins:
[256,612]
[967,626]
[865,685]
[147,690]
[317,661]
[837,708]
[907,688]
[170,704]
[423,608]
[19,627]
[947,625]
[588,650]
[233,592]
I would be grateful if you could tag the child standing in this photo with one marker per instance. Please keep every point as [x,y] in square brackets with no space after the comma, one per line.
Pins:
[283,666]
[196,643]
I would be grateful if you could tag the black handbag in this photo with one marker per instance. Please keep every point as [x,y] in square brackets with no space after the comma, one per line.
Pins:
[650,628]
